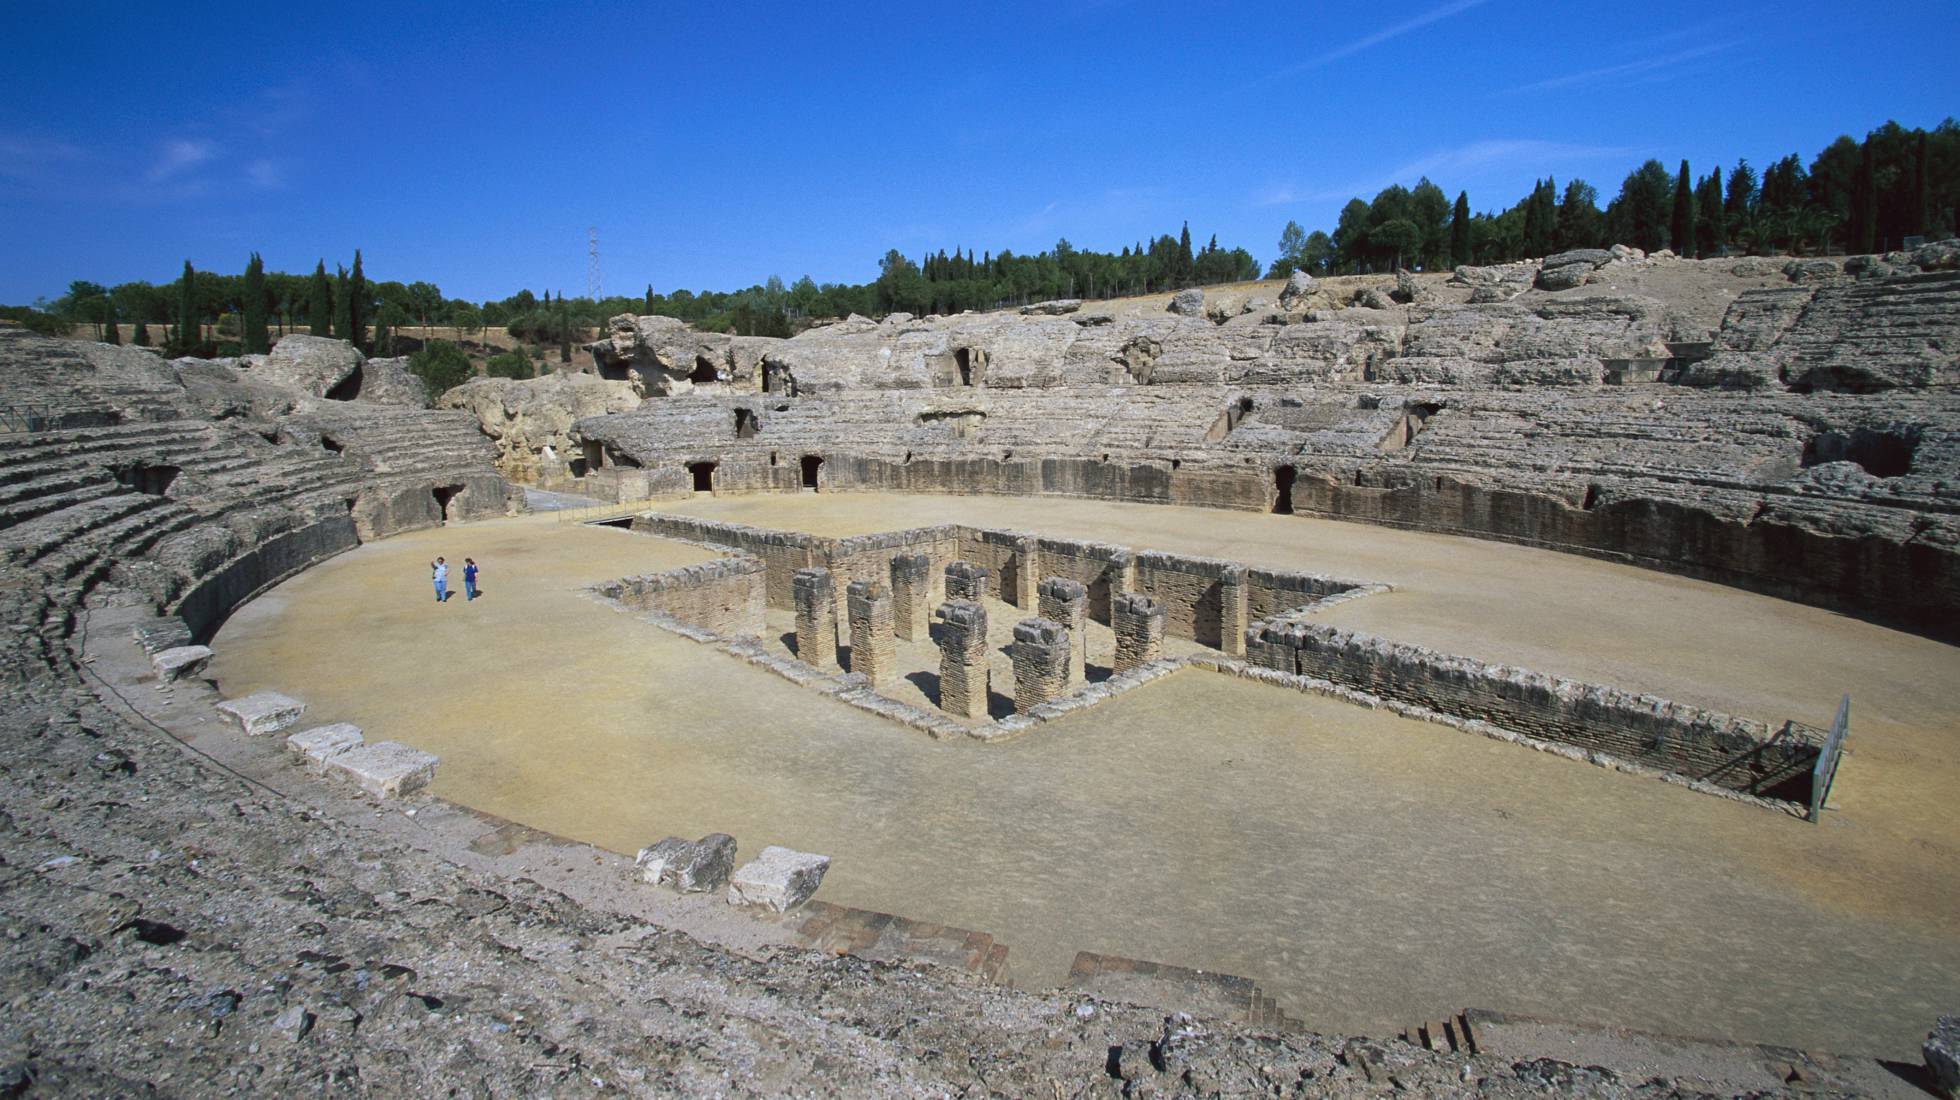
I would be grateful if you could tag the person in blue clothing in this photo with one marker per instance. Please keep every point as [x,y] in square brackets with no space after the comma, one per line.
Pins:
[469,578]
[440,570]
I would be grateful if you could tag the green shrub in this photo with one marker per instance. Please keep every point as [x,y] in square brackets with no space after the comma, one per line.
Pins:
[511,364]
[36,321]
[442,365]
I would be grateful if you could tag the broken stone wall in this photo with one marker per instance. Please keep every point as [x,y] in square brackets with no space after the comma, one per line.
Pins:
[782,553]
[725,596]
[1736,753]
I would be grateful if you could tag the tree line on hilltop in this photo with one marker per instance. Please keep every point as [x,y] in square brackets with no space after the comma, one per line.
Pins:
[1855,196]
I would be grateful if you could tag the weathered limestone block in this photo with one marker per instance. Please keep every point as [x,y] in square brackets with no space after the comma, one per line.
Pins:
[386,769]
[690,866]
[1041,655]
[1067,602]
[963,672]
[967,581]
[780,879]
[322,743]
[1027,572]
[911,587]
[175,664]
[1232,611]
[1942,1051]
[816,618]
[1188,303]
[312,364]
[1138,622]
[873,653]
[263,712]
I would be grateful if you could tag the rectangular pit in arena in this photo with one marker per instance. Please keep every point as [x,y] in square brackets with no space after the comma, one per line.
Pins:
[1022,629]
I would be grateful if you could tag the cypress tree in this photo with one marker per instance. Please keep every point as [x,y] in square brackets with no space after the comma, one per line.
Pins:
[319,306]
[649,298]
[383,339]
[1709,237]
[1864,204]
[109,333]
[564,331]
[342,322]
[189,335]
[1460,229]
[1184,258]
[357,305]
[1683,225]
[257,340]
[142,337]
[1922,206]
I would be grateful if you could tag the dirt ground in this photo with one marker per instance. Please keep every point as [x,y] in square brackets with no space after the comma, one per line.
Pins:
[1370,871]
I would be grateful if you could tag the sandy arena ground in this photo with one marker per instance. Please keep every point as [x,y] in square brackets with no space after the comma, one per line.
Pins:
[1369,871]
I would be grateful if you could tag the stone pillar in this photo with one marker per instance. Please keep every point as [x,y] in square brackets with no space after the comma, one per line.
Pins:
[963,671]
[911,588]
[1138,622]
[1041,655]
[1122,574]
[1232,611]
[1067,602]
[1027,572]
[816,618]
[873,653]
[967,581]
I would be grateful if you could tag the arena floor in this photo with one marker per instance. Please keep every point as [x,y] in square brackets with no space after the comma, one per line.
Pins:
[1369,871]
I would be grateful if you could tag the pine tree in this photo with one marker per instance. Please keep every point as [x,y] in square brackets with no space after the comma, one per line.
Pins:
[1460,230]
[189,334]
[357,305]
[257,340]
[319,306]
[343,325]
[1682,227]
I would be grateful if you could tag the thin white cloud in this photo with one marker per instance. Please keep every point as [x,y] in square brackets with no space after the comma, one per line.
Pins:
[265,174]
[1639,67]
[179,156]
[34,159]
[1443,166]
[1444,11]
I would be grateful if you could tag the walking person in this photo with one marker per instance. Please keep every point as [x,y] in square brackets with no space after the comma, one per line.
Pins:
[469,578]
[440,570]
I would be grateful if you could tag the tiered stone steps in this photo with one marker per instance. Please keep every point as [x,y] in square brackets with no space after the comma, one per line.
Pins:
[1449,1034]
[1178,988]
[882,937]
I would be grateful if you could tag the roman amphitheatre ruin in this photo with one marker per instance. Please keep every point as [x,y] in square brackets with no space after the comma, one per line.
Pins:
[1434,683]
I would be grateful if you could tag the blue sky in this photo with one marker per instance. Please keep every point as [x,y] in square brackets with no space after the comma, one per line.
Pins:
[715,145]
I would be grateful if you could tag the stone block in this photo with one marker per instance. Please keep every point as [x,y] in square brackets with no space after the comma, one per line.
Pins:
[815,595]
[385,769]
[964,678]
[1138,622]
[692,867]
[1040,652]
[262,712]
[911,591]
[180,662]
[780,879]
[1942,1052]
[1067,602]
[323,743]
[868,605]
[969,582]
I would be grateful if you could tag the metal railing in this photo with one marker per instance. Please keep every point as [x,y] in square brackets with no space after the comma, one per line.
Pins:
[30,418]
[602,511]
[1825,772]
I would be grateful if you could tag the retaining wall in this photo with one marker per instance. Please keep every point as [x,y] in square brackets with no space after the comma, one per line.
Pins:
[725,596]
[1735,753]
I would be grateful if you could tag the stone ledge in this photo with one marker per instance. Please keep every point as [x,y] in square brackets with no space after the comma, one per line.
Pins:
[780,879]
[322,743]
[179,662]
[386,769]
[263,712]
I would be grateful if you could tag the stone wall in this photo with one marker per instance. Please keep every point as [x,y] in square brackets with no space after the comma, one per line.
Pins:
[206,604]
[725,596]
[1735,753]
[782,553]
